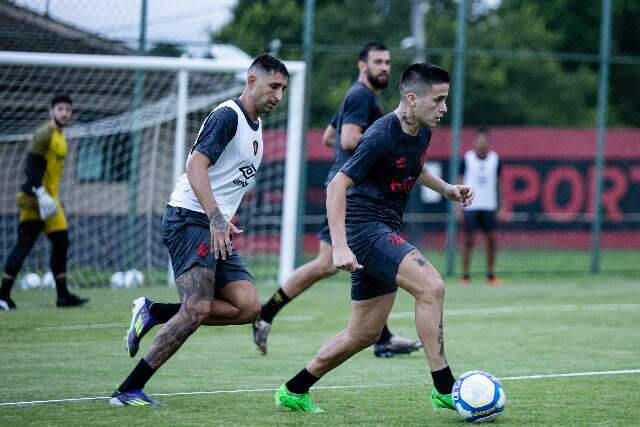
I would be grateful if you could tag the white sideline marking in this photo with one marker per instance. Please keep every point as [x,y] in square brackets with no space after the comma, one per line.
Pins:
[75,327]
[296,318]
[260,390]
[523,309]
[403,314]
[123,325]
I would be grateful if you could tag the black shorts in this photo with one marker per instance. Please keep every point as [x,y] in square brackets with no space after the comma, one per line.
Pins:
[186,234]
[380,250]
[325,234]
[479,220]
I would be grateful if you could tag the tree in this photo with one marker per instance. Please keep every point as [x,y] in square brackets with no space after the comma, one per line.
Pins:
[511,77]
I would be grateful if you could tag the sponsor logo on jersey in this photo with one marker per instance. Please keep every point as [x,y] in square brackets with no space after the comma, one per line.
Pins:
[248,171]
[401,163]
[405,185]
[240,183]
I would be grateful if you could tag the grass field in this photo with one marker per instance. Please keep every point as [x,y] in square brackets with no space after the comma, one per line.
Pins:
[533,325]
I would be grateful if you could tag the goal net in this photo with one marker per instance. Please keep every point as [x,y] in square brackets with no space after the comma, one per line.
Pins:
[134,121]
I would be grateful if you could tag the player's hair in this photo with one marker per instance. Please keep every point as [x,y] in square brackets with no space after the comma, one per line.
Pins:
[268,64]
[364,52]
[482,130]
[418,78]
[61,99]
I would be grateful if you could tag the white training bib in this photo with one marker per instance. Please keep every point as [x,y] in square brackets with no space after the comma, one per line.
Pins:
[231,174]
[482,176]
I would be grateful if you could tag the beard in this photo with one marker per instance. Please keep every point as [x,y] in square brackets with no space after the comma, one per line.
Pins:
[377,82]
[59,123]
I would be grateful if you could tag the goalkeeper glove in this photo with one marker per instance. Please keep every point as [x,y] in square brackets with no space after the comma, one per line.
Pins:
[46,205]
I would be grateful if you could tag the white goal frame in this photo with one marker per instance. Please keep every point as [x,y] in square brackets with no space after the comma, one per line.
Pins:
[182,66]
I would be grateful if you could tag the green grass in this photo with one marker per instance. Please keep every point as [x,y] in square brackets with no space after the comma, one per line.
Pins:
[564,324]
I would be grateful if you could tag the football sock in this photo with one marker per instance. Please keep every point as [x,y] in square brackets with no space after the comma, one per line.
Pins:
[302,382]
[274,305]
[163,312]
[7,284]
[443,380]
[138,377]
[491,276]
[61,287]
[385,336]
[466,277]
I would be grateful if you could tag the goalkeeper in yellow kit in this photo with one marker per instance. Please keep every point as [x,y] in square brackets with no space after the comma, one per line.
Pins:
[39,206]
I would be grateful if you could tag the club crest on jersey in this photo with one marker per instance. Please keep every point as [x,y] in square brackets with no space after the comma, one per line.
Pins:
[255,147]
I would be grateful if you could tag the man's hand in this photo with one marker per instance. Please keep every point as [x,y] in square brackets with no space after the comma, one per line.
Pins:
[344,259]
[459,193]
[221,235]
[46,205]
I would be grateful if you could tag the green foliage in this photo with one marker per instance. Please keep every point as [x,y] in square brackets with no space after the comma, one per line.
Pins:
[513,75]
[165,49]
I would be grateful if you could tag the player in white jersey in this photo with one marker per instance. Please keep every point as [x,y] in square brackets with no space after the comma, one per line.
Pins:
[214,286]
[480,169]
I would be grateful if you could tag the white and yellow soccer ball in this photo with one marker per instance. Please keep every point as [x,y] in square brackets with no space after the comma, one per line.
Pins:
[478,396]
[133,278]
[30,281]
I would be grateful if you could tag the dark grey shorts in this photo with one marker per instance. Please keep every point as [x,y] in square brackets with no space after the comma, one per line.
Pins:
[479,220]
[186,234]
[380,250]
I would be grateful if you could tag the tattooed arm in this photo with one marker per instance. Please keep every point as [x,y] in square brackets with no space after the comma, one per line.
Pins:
[220,228]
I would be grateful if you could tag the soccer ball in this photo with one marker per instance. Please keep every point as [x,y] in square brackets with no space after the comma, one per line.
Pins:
[117,280]
[30,281]
[478,396]
[133,278]
[48,281]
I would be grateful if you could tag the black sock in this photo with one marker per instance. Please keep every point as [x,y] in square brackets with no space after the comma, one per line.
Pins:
[385,336]
[163,312]
[302,382]
[466,277]
[138,377]
[443,380]
[7,284]
[274,305]
[491,276]
[61,287]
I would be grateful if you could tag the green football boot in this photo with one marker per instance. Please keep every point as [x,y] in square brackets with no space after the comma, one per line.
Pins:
[295,402]
[441,401]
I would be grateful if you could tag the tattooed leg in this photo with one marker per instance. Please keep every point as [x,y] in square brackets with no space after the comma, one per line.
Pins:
[418,277]
[196,289]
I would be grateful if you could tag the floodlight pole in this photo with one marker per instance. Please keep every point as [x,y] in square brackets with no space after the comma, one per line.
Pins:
[601,124]
[456,125]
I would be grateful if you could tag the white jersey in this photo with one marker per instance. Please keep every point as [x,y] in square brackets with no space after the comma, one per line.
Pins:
[482,176]
[232,171]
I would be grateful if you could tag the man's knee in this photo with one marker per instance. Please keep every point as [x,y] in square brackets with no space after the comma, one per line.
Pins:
[364,338]
[432,288]
[196,311]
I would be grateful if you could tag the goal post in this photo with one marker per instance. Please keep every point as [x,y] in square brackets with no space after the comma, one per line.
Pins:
[178,94]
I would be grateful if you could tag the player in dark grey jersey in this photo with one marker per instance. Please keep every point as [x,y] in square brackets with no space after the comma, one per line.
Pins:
[365,204]
[359,109]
